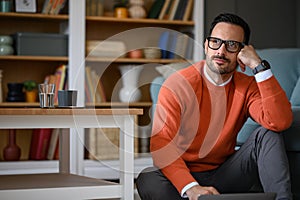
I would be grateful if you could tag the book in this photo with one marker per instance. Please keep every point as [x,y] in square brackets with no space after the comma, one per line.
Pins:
[89,83]
[57,6]
[47,6]
[40,143]
[63,69]
[173,9]
[155,9]
[53,144]
[163,44]
[188,10]
[59,80]
[101,91]
[167,13]
[172,40]
[105,49]
[180,9]
[95,81]
[164,9]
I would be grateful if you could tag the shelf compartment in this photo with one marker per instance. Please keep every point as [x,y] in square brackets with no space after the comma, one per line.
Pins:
[56,186]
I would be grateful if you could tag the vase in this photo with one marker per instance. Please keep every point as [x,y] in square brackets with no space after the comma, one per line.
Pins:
[136,9]
[15,92]
[31,96]
[12,151]
[130,76]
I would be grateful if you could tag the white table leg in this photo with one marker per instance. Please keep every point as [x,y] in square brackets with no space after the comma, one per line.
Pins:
[127,158]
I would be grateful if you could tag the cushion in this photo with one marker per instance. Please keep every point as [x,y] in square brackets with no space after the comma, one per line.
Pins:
[167,70]
[285,65]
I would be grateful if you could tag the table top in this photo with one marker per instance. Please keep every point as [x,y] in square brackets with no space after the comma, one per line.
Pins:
[71,111]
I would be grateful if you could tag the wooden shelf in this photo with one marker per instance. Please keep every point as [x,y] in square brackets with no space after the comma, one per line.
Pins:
[130,60]
[33,16]
[56,186]
[140,21]
[104,169]
[94,18]
[97,105]
[34,58]
[68,111]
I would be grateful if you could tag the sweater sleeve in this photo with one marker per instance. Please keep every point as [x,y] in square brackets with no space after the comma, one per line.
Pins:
[269,106]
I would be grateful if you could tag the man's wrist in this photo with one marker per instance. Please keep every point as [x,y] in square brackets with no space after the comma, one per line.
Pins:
[188,186]
[263,66]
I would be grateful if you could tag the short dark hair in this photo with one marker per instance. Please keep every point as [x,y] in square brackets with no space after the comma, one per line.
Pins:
[233,19]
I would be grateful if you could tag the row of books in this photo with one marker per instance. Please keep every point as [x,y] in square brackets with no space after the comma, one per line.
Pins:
[94,89]
[53,7]
[171,9]
[94,8]
[176,45]
[45,144]
[59,78]
[100,143]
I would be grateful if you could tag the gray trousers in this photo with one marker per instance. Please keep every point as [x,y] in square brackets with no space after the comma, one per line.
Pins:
[261,160]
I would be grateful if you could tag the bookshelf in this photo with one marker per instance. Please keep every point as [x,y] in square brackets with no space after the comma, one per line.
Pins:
[81,28]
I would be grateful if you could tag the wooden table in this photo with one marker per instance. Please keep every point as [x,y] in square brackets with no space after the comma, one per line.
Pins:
[64,185]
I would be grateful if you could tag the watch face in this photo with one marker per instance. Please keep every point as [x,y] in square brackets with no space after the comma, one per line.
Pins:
[265,64]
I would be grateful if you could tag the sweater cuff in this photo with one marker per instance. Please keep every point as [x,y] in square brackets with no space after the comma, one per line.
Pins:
[188,186]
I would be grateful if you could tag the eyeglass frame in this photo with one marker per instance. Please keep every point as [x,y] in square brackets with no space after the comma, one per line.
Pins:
[241,44]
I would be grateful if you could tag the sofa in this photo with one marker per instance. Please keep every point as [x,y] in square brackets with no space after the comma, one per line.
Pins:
[285,65]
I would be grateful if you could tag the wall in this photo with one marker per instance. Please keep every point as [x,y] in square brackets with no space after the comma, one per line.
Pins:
[274,23]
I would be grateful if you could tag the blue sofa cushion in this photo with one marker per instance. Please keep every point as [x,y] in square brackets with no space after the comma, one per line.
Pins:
[285,65]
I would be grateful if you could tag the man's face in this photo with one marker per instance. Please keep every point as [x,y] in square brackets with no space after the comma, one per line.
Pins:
[221,61]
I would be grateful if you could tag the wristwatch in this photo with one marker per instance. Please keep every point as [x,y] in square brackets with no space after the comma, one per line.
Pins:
[264,65]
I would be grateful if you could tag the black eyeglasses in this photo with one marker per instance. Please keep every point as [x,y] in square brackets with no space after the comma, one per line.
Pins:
[230,45]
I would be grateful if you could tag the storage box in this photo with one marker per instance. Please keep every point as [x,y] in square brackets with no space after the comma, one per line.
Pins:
[41,44]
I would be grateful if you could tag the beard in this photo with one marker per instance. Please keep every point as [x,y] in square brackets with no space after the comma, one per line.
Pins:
[227,68]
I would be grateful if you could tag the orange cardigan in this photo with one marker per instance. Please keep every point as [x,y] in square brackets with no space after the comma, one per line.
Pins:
[196,123]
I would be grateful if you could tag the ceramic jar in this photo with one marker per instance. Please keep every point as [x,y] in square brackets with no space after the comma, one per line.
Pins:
[6,45]
[136,9]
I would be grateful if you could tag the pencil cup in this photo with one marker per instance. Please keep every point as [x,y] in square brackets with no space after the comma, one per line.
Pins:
[46,95]
[67,98]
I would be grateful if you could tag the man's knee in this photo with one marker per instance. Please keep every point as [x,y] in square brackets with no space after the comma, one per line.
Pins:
[146,181]
[152,184]
[263,135]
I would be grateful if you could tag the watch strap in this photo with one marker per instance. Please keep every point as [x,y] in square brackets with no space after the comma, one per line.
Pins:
[264,65]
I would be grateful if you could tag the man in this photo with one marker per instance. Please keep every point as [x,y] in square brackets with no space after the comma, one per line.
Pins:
[199,113]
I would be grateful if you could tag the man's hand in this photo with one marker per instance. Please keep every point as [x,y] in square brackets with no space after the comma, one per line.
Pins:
[248,57]
[194,192]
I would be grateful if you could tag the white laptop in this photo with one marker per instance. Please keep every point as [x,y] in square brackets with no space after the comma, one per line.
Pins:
[240,196]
